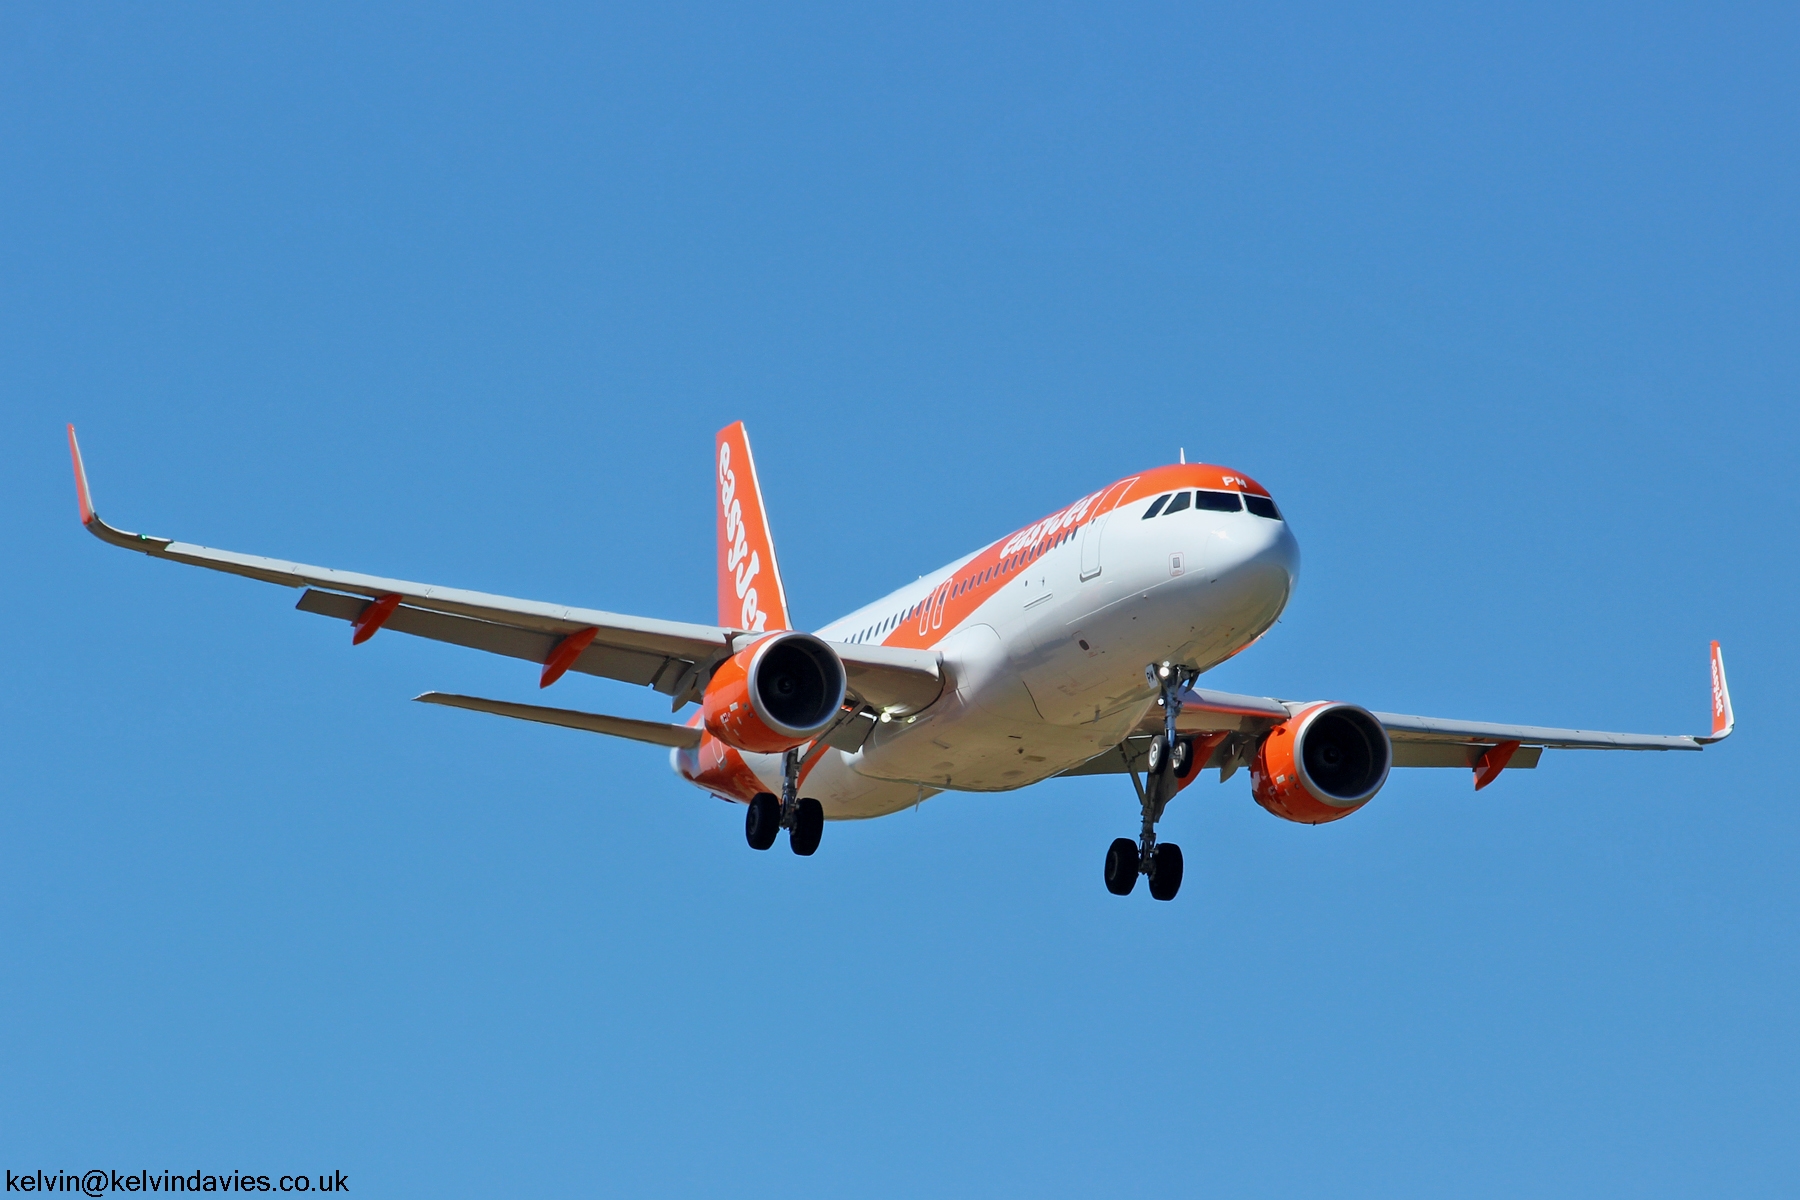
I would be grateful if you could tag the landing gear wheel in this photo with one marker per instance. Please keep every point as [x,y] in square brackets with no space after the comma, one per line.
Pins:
[1165,871]
[1178,761]
[763,821]
[1121,866]
[809,826]
[1158,756]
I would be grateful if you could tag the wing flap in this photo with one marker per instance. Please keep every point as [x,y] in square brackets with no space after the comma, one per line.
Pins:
[646,634]
[1459,754]
[608,661]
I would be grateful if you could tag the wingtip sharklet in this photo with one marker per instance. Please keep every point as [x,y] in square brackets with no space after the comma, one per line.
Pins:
[84,499]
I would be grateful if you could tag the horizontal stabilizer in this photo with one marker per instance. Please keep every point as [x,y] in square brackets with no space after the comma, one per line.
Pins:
[624,727]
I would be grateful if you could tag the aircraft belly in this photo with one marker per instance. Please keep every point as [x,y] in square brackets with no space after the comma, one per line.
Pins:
[959,743]
[843,793]
[846,795]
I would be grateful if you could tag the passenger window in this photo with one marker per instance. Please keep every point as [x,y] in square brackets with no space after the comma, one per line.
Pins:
[1155,506]
[1217,501]
[1177,504]
[1262,506]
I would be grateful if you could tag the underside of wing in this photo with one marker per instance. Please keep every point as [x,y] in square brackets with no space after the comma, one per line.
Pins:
[1243,721]
[891,678]
[630,649]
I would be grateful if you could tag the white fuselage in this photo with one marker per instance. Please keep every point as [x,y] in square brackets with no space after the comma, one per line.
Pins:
[1047,670]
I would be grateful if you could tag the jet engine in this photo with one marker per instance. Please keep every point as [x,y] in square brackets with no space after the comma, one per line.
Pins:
[1321,764]
[775,694]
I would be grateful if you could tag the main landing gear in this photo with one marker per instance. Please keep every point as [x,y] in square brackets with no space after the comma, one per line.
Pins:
[1170,762]
[802,817]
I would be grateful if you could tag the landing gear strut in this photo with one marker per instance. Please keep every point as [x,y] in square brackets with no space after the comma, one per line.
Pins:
[1170,760]
[802,816]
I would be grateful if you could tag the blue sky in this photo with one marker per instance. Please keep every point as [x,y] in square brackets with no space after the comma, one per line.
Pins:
[1500,304]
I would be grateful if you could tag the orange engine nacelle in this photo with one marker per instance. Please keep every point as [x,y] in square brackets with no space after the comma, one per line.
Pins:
[1324,763]
[775,694]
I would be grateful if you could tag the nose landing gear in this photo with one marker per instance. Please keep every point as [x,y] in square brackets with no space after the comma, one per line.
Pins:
[1169,762]
[802,816]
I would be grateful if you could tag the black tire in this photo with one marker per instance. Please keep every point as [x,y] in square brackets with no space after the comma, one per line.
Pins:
[1157,760]
[1182,761]
[1165,871]
[763,821]
[1121,866]
[809,827]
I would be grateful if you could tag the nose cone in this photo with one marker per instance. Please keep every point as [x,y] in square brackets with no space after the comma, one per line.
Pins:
[1284,552]
[1259,567]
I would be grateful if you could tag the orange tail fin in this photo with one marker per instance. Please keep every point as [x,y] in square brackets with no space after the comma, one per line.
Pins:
[750,591]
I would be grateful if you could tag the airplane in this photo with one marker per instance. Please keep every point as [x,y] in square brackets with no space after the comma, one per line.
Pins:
[1072,646]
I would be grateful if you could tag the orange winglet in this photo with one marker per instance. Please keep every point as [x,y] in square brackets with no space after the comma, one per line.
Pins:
[1493,762]
[565,654]
[83,497]
[373,618]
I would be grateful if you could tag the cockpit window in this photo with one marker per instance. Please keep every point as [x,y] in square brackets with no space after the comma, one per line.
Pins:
[1177,504]
[1217,501]
[1156,506]
[1262,506]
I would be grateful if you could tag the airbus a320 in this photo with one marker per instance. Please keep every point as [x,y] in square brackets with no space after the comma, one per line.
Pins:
[1073,646]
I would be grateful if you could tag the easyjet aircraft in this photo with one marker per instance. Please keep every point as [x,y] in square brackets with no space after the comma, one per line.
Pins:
[1070,647]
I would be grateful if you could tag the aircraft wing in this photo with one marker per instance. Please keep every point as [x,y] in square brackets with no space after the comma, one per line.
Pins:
[674,657]
[1241,721]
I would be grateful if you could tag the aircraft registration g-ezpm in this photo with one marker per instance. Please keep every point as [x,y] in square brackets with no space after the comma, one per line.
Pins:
[1071,647]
